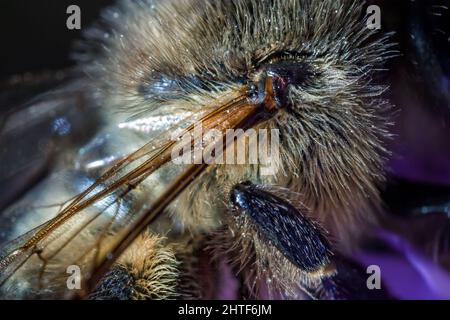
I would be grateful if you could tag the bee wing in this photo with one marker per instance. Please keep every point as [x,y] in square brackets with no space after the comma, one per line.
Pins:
[32,132]
[92,230]
[33,136]
[83,230]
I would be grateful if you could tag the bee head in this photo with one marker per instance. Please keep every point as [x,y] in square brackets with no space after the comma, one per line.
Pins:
[314,64]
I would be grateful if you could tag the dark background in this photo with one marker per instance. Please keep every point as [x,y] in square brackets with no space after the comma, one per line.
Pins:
[34,36]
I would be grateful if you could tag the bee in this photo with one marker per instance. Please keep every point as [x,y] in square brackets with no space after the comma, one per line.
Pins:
[139,226]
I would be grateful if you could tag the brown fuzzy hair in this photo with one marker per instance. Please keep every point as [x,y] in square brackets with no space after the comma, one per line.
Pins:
[331,138]
[147,270]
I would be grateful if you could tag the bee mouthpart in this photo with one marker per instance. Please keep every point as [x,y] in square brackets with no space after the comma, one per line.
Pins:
[265,93]
[272,90]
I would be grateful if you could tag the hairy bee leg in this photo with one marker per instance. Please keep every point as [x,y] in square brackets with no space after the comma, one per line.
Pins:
[303,243]
[148,270]
[300,240]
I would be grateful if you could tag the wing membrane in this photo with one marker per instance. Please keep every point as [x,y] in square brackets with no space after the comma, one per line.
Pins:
[31,134]
[98,225]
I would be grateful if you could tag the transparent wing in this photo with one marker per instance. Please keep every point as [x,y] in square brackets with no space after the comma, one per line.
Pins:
[92,229]
[31,133]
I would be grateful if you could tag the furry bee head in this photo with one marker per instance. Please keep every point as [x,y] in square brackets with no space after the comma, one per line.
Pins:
[181,55]
[305,68]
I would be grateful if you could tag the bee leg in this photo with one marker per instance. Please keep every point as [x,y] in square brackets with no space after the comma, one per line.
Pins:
[302,242]
[284,226]
[148,270]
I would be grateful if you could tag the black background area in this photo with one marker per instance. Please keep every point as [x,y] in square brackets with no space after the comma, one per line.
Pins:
[34,36]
